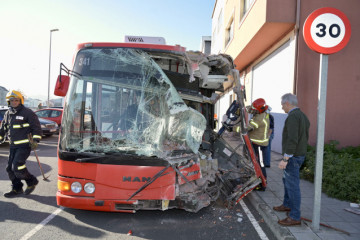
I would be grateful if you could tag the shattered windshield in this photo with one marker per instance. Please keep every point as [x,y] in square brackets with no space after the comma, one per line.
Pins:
[121,101]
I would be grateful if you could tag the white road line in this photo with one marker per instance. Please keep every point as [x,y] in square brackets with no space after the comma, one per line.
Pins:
[252,219]
[42,224]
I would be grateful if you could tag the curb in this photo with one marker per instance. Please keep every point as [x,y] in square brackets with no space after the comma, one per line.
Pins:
[270,218]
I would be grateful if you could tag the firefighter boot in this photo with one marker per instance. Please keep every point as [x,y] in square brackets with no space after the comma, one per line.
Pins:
[31,188]
[13,193]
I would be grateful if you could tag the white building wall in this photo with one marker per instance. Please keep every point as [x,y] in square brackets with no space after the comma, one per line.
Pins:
[217,28]
[272,77]
[217,43]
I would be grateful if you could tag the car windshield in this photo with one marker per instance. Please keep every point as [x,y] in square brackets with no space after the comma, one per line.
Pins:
[121,101]
[43,113]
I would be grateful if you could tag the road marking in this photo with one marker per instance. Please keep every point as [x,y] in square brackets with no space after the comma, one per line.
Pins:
[252,219]
[42,224]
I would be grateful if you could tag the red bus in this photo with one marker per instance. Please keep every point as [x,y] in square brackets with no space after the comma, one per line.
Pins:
[138,131]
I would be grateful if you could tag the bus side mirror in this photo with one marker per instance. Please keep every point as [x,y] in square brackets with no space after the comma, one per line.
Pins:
[62,85]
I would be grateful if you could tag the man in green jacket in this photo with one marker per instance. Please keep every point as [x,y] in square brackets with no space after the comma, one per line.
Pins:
[294,146]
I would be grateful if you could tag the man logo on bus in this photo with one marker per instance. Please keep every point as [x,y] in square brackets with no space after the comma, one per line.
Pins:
[136,179]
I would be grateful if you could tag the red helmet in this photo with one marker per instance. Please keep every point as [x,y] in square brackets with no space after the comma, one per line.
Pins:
[260,105]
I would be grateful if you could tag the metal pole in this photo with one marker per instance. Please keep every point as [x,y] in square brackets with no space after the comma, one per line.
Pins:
[320,139]
[48,97]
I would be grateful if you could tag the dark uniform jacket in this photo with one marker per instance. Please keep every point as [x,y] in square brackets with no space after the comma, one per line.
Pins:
[17,124]
[295,133]
[272,124]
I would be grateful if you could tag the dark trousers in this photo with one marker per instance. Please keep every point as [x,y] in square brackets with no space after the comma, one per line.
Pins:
[267,152]
[17,170]
[256,149]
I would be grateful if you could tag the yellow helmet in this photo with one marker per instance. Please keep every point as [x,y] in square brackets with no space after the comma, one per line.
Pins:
[14,94]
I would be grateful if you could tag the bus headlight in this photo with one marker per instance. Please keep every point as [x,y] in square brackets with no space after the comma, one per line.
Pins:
[76,187]
[89,188]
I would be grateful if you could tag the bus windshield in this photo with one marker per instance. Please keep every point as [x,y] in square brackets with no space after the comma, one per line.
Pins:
[120,101]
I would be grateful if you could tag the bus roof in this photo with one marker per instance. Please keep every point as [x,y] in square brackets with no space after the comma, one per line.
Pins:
[176,48]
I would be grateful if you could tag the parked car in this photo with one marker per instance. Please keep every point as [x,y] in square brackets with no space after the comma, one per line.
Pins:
[53,114]
[48,127]
[2,112]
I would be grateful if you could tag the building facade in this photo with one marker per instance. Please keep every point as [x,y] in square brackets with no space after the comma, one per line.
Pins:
[3,92]
[205,45]
[265,39]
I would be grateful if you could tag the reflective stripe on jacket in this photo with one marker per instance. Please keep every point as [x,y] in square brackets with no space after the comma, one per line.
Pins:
[18,125]
[259,126]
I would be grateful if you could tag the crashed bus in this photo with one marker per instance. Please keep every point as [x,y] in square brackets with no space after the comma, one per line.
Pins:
[138,130]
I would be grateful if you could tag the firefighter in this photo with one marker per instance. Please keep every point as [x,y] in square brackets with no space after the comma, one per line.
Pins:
[17,124]
[259,130]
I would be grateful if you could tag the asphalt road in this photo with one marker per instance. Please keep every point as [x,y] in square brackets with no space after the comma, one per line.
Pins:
[38,217]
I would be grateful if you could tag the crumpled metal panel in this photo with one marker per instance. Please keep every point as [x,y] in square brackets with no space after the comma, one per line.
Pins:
[122,109]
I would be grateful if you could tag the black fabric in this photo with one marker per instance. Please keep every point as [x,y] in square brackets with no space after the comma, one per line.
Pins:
[272,122]
[17,157]
[256,149]
[19,116]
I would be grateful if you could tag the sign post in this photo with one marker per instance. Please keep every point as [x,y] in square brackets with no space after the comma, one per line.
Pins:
[326,31]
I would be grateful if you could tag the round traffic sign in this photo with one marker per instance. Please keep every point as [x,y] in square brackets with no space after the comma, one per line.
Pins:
[327,30]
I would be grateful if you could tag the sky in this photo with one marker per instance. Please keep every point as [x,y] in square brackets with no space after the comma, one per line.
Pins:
[25,33]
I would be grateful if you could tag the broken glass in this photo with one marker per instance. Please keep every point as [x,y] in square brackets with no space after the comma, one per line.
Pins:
[155,107]
[123,102]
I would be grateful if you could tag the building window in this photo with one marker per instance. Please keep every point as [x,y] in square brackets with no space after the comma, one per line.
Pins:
[246,4]
[229,34]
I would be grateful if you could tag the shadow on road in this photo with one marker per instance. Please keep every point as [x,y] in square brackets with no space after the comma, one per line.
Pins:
[19,214]
[32,166]
[31,163]
[213,222]
[20,209]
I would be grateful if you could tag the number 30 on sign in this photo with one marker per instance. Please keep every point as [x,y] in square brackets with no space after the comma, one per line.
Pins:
[327,30]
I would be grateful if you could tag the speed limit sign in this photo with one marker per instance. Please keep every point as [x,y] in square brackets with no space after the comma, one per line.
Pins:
[327,30]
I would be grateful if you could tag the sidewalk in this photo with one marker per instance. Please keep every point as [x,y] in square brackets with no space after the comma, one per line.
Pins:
[332,211]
